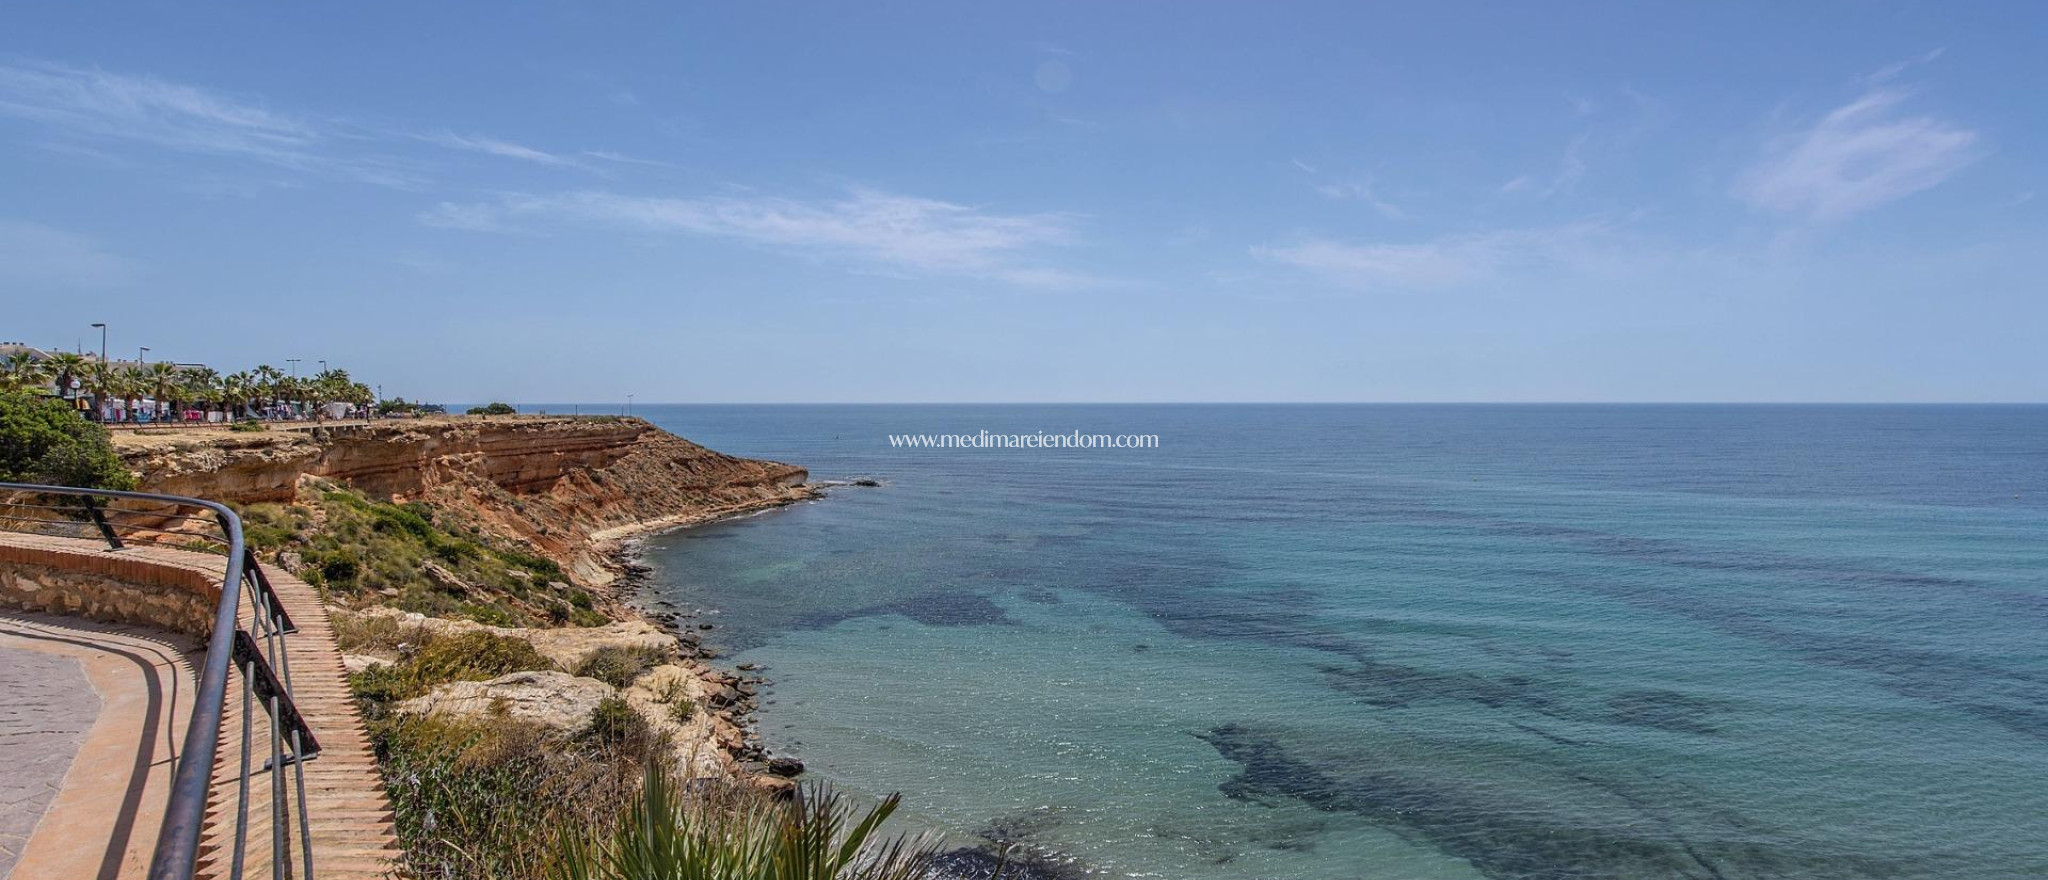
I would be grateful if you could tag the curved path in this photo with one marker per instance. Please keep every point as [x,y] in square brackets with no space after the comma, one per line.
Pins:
[88,727]
[102,818]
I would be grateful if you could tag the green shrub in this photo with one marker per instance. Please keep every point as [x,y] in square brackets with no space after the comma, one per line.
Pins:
[379,687]
[42,440]
[815,836]
[338,571]
[475,656]
[615,723]
[378,634]
[540,566]
[618,666]
[493,409]
[682,710]
[247,425]
[470,656]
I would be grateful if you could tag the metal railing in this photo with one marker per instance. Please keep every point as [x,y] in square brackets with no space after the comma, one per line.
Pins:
[257,653]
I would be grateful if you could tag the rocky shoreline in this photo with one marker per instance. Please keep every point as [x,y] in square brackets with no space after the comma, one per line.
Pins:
[1000,854]
[736,697]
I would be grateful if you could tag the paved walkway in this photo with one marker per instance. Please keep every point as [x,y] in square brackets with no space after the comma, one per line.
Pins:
[88,726]
[348,815]
[50,705]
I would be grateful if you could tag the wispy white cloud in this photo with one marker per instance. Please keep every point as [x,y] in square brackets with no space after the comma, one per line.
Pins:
[1455,260]
[1570,170]
[36,255]
[113,106]
[1891,71]
[623,159]
[868,227]
[476,217]
[495,147]
[1359,189]
[93,112]
[1856,158]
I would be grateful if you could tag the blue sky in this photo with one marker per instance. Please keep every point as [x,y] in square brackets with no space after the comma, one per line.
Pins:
[1043,201]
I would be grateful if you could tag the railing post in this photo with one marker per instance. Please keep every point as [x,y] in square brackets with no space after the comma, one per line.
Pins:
[266,594]
[284,714]
[100,519]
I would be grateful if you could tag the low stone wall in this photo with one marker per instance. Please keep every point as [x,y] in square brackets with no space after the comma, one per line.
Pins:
[111,586]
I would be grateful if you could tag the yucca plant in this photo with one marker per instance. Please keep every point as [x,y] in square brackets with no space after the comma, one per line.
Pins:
[666,837]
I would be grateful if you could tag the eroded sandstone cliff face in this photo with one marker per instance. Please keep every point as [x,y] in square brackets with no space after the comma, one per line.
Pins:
[563,485]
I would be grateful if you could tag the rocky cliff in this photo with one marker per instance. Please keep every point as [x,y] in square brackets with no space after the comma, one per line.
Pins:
[564,485]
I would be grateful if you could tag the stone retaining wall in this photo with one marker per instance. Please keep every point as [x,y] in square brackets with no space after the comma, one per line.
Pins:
[57,577]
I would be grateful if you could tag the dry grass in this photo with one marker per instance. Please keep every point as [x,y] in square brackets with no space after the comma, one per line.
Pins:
[492,801]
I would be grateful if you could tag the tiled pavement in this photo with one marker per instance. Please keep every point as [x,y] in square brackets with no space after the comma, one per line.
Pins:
[48,707]
[348,814]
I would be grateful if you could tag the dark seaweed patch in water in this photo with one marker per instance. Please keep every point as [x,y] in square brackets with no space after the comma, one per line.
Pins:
[1011,853]
[1039,596]
[941,608]
[1196,597]
[1538,731]
[1627,836]
[1664,710]
[985,863]
[1393,686]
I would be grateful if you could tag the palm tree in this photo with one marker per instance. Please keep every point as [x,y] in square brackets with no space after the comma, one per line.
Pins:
[267,383]
[66,367]
[234,391]
[816,836]
[105,381]
[129,388]
[98,380]
[22,373]
[296,392]
[164,383]
[198,384]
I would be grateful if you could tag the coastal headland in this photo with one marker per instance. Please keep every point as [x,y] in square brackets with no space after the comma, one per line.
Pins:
[560,494]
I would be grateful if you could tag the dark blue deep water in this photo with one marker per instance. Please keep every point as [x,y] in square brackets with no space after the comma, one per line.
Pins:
[1413,641]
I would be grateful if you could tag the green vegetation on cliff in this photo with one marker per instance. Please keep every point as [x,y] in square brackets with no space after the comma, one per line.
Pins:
[408,556]
[475,656]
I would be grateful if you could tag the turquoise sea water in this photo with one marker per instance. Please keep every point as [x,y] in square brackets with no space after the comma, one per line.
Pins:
[1413,641]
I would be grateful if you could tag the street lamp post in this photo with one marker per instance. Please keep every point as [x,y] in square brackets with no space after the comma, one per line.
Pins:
[140,350]
[295,366]
[98,405]
[629,404]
